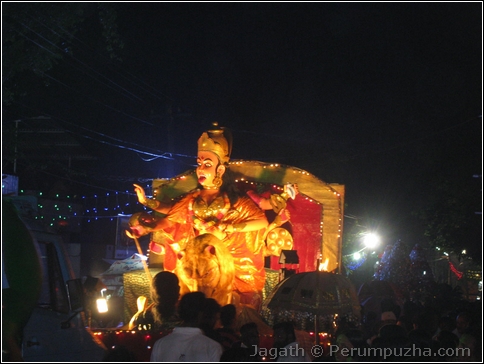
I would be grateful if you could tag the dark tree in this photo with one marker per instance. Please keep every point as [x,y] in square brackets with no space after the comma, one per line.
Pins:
[37,36]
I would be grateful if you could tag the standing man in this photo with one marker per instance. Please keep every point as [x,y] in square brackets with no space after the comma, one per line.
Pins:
[187,342]
[288,349]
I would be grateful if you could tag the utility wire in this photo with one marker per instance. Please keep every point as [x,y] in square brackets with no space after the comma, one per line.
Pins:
[84,64]
[71,88]
[159,154]
[96,101]
[140,83]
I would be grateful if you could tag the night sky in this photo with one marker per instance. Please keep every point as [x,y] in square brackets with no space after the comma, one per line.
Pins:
[385,98]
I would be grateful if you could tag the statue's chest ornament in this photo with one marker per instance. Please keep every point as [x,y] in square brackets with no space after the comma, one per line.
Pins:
[206,216]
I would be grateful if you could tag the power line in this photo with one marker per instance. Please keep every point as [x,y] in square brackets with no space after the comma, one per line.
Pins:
[99,102]
[142,83]
[72,36]
[75,90]
[72,89]
[159,154]
[84,64]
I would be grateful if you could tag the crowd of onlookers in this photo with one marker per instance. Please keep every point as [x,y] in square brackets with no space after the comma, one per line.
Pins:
[415,331]
[426,336]
[202,330]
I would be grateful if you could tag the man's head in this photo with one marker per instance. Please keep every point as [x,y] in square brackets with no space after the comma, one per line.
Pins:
[462,322]
[283,334]
[190,308]
[210,314]
[388,318]
[228,314]
[249,334]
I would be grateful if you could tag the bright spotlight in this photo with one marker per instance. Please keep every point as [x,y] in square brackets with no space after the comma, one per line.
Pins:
[356,255]
[371,240]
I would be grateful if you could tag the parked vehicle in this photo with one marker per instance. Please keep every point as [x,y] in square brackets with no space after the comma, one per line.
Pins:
[48,323]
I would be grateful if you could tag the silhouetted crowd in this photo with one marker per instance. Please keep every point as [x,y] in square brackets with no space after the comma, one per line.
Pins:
[202,330]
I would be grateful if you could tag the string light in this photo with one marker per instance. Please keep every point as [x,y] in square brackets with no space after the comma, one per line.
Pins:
[59,211]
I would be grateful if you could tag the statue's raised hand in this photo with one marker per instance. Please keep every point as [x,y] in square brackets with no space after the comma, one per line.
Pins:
[140,192]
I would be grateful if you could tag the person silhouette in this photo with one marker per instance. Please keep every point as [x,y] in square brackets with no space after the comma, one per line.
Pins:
[187,342]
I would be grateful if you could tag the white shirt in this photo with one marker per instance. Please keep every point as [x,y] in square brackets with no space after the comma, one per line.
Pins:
[293,352]
[186,344]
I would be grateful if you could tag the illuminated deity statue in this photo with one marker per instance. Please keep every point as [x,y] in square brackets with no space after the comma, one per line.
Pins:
[216,207]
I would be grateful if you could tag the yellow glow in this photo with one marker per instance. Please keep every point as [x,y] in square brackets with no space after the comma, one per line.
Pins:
[323,267]
[102,305]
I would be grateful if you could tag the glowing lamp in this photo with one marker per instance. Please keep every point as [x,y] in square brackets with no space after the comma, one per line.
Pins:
[102,305]
[371,240]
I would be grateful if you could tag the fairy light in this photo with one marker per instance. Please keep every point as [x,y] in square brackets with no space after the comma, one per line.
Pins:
[90,208]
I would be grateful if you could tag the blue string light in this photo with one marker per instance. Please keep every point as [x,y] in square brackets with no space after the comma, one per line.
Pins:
[90,208]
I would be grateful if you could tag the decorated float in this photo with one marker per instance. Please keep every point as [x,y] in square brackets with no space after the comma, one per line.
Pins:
[309,242]
[313,233]
[283,225]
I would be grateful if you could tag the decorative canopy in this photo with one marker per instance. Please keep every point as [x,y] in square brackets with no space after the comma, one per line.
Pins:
[304,296]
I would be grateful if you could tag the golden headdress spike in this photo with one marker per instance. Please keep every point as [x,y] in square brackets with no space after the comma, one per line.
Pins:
[218,140]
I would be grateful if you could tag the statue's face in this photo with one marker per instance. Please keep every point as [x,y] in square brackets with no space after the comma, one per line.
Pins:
[208,164]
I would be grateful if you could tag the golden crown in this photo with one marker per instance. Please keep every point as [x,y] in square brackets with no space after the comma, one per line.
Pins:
[217,140]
